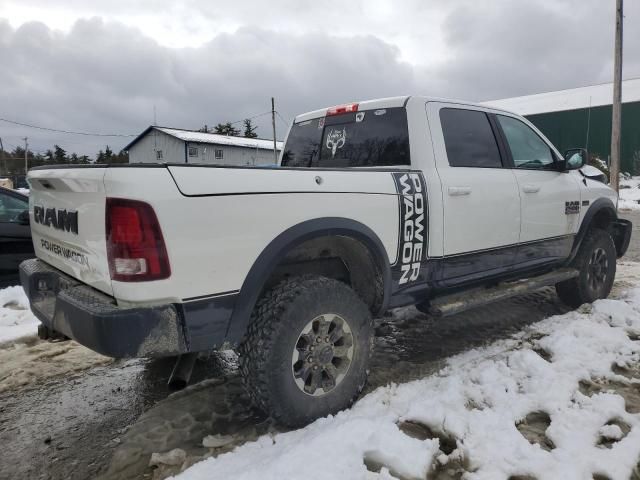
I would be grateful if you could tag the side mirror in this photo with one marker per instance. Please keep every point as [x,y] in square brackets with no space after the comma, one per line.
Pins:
[23,217]
[575,158]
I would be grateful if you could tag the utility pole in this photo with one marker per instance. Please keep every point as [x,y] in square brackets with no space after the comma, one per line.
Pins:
[273,123]
[26,149]
[616,119]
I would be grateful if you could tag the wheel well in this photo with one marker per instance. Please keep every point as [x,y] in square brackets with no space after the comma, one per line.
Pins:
[601,215]
[603,219]
[342,258]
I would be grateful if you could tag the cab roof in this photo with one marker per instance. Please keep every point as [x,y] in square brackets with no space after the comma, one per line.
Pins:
[388,102]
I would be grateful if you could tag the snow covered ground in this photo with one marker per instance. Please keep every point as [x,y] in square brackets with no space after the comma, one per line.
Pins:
[16,320]
[629,197]
[25,360]
[560,400]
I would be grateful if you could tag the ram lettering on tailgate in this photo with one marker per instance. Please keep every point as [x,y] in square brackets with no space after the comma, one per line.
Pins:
[59,219]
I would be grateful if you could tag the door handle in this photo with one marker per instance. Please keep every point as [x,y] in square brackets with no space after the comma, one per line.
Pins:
[459,191]
[530,188]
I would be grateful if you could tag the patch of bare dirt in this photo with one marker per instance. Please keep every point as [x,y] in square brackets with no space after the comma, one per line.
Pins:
[534,428]
[628,389]
[22,364]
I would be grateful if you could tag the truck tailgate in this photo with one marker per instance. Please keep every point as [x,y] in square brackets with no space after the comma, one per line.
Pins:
[67,209]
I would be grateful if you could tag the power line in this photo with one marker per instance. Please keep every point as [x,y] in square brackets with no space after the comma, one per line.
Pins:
[88,134]
[286,124]
[91,134]
[251,118]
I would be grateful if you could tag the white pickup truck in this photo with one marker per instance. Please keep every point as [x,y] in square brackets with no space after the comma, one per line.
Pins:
[375,205]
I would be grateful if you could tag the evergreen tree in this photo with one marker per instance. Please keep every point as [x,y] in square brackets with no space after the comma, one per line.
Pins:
[226,129]
[120,157]
[14,161]
[59,154]
[249,128]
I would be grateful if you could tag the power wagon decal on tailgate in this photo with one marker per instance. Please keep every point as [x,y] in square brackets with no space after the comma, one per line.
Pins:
[412,209]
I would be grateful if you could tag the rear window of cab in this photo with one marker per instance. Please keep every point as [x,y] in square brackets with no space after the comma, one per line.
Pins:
[370,138]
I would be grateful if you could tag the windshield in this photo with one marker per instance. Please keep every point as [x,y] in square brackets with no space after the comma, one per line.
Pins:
[361,139]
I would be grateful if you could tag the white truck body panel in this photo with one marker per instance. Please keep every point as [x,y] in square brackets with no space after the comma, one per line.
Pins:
[481,204]
[189,223]
[540,195]
[193,181]
[213,240]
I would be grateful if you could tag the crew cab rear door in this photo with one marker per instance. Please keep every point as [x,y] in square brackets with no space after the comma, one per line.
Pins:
[481,203]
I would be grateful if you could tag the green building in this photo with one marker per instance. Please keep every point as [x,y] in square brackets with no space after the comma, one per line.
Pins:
[581,117]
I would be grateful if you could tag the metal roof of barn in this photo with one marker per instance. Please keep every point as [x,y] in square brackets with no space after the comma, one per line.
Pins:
[211,138]
[570,99]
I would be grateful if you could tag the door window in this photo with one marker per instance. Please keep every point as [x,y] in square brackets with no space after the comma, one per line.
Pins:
[528,150]
[11,207]
[469,139]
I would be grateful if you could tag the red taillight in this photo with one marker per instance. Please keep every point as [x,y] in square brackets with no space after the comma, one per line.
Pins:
[135,246]
[340,109]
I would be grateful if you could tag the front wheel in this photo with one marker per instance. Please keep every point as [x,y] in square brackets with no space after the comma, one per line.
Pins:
[596,261]
[307,349]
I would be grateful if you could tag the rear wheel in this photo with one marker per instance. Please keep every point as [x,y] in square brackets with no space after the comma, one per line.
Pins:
[596,261]
[307,349]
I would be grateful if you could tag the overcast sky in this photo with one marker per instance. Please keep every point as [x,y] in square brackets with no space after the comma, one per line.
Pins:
[101,66]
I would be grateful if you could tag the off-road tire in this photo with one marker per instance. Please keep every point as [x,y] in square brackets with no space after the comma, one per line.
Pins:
[579,290]
[276,324]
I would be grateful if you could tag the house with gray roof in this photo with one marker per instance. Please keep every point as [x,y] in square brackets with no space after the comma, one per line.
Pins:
[174,145]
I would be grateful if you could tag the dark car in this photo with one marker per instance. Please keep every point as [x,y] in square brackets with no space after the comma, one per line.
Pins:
[15,235]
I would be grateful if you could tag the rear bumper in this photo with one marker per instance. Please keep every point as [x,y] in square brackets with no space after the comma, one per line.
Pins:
[622,235]
[94,320]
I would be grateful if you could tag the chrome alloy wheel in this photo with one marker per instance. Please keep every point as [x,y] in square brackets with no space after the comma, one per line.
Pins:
[322,354]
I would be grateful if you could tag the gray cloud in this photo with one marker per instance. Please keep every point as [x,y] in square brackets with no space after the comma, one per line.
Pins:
[104,76]
[514,48]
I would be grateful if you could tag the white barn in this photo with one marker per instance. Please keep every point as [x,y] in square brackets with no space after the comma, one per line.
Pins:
[174,145]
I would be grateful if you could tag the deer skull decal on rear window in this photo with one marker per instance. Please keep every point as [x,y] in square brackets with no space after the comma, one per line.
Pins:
[336,140]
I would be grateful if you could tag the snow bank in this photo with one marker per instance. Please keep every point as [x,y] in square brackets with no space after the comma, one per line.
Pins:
[16,320]
[629,197]
[477,403]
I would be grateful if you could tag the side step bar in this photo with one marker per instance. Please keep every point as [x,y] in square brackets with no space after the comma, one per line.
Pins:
[459,302]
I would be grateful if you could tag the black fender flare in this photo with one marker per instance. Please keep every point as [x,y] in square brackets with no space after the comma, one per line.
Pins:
[601,204]
[278,248]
